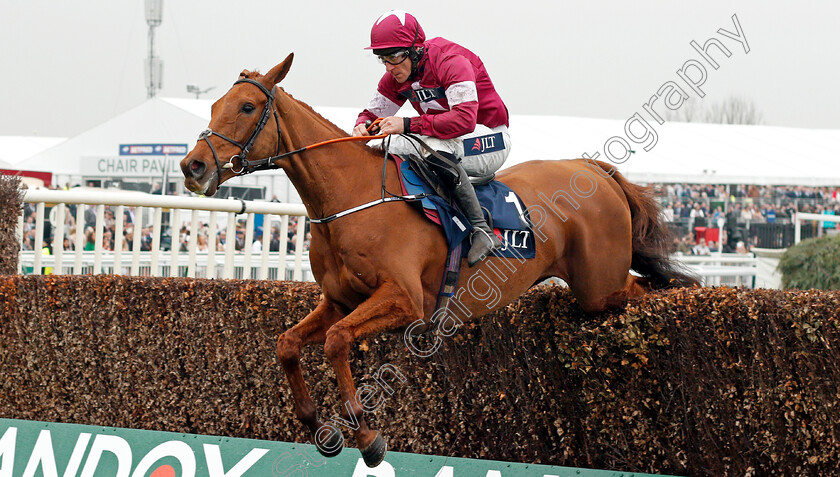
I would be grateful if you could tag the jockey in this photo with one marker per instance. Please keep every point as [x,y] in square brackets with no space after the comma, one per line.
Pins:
[460,113]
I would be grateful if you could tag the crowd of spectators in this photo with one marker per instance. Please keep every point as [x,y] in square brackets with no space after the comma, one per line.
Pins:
[205,238]
[754,192]
[204,241]
[276,242]
[689,244]
[730,209]
[756,204]
[698,213]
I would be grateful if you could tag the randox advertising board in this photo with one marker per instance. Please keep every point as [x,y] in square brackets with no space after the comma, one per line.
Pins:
[45,449]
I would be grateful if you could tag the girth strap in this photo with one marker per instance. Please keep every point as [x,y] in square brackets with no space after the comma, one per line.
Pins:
[372,203]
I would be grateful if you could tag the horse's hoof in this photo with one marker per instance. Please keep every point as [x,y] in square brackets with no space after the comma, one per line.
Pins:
[332,444]
[375,452]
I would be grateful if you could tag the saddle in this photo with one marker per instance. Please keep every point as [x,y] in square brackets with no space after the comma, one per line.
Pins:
[503,209]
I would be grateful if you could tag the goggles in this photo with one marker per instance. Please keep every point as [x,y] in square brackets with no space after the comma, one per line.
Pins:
[394,58]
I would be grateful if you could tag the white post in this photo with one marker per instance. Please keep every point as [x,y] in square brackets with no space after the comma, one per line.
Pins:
[119,218]
[137,241]
[301,227]
[266,244]
[58,242]
[157,225]
[19,237]
[249,245]
[80,237]
[797,228]
[193,245]
[38,244]
[211,246]
[230,241]
[284,245]
[97,249]
[175,224]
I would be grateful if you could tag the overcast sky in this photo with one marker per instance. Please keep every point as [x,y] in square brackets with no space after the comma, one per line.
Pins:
[70,65]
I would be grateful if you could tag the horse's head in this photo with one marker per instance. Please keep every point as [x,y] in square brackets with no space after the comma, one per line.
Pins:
[237,121]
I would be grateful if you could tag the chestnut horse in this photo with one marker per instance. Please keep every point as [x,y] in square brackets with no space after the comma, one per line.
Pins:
[381,268]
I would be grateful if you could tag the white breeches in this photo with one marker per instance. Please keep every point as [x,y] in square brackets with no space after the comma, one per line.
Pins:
[476,165]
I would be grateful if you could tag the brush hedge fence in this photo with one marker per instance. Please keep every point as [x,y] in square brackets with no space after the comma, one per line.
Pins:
[696,381]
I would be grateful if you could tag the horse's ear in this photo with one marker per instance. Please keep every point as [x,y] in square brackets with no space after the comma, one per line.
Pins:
[279,72]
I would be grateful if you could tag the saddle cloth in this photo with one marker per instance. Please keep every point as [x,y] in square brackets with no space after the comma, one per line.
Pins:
[505,207]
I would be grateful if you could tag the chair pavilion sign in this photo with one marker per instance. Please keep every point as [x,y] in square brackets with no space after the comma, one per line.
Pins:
[137,160]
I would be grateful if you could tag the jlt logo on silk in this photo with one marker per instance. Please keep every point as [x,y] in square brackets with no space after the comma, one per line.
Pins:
[422,95]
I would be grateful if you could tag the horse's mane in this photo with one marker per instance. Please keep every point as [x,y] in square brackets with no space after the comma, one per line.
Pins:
[321,119]
[326,122]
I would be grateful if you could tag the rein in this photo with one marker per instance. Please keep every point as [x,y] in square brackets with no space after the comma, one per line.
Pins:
[248,166]
[382,199]
[267,163]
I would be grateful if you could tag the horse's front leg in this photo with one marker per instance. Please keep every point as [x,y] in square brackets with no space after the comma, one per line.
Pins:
[310,329]
[389,307]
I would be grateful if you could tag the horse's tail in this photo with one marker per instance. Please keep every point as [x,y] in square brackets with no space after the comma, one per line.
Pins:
[651,238]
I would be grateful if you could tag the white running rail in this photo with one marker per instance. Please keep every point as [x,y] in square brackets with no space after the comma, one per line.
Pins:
[227,263]
[800,217]
[717,269]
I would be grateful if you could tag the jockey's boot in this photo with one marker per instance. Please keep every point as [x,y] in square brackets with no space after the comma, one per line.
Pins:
[483,239]
[448,168]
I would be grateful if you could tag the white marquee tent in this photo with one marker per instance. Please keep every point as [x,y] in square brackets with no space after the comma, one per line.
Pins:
[683,152]
[156,121]
[14,149]
[690,152]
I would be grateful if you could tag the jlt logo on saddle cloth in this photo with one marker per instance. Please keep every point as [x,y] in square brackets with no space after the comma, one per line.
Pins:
[521,240]
[483,144]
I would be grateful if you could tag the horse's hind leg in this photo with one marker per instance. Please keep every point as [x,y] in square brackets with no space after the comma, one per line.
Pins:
[633,287]
[388,307]
[598,272]
[312,328]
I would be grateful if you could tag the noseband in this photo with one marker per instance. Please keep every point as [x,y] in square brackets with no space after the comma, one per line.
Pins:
[246,166]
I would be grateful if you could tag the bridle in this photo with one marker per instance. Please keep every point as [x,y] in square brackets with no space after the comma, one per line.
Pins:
[245,166]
